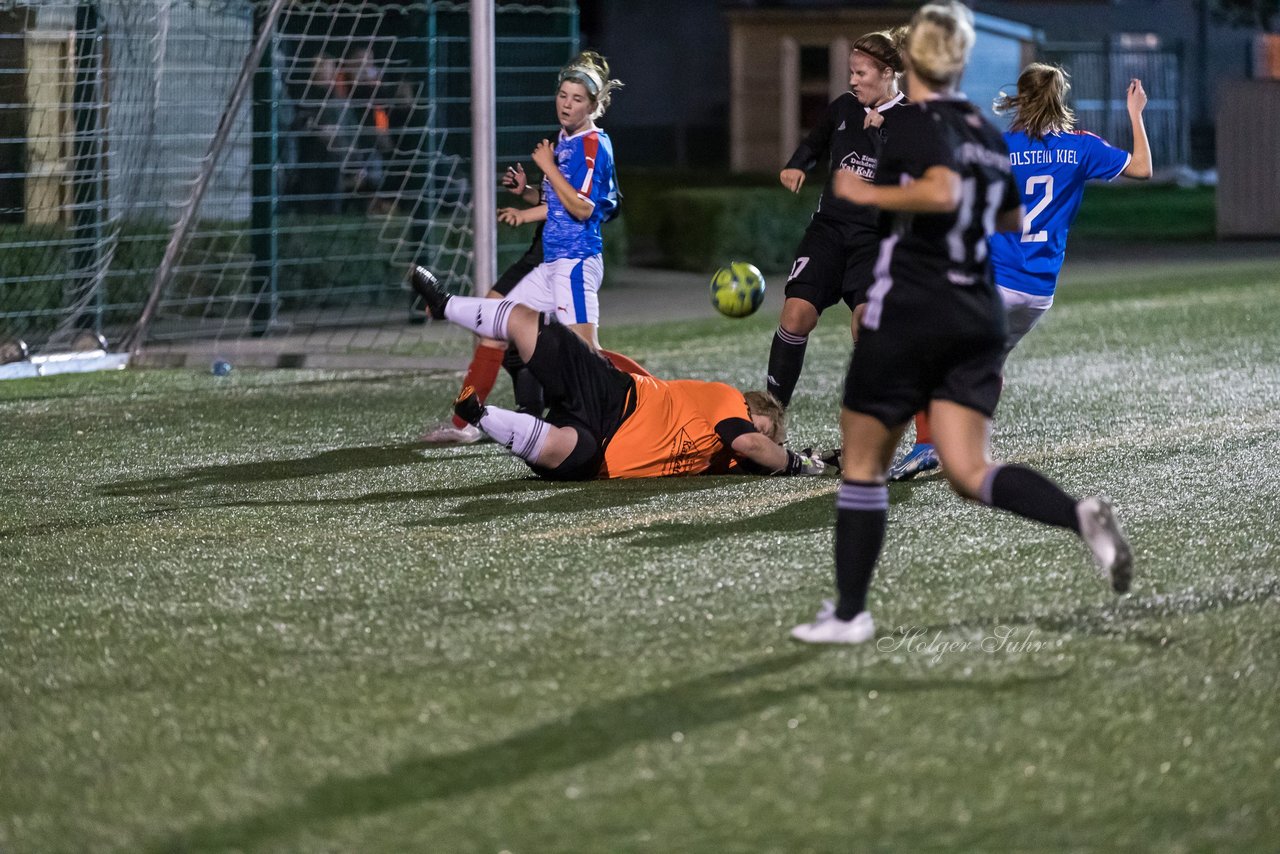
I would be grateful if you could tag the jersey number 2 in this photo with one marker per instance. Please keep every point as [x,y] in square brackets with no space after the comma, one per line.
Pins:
[1029,236]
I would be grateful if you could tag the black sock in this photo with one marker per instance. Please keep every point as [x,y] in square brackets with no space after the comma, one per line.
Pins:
[786,359]
[862,512]
[1028,493]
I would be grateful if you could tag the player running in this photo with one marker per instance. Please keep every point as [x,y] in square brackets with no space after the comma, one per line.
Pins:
[933,333]
[606,423]
[1051,163]
[835,258]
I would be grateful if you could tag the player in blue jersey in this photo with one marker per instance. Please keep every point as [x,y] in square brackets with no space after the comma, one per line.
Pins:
[838,251]
[580,193]
[1051,163]
[932,334]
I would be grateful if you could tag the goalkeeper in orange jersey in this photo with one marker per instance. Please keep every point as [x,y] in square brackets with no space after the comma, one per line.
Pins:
[605,423]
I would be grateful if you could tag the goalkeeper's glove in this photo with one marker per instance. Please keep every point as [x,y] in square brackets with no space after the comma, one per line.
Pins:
[803,464]
[831,457]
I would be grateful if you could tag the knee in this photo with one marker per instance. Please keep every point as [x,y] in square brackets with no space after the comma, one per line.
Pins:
[798,316]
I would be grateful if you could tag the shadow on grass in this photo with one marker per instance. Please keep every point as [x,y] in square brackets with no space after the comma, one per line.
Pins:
[336,461]
[499,500]
[1120,618]
[817,511]
[503,498]
[589,734]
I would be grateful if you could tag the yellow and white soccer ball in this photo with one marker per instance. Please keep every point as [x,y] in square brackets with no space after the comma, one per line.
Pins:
[737,289]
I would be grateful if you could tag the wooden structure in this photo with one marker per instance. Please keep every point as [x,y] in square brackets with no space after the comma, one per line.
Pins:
[1249,159]
[786,65]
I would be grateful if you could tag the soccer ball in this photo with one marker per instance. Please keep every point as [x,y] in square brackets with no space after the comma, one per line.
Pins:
[737,290]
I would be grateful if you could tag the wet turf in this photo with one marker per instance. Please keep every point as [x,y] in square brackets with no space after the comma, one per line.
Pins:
[250,613]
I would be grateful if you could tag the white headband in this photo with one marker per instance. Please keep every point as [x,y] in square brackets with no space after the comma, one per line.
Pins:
[585,76]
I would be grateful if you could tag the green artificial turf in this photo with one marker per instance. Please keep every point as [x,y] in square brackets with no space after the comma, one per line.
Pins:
[250,613]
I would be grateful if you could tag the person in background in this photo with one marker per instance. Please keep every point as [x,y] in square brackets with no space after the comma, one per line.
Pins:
[1051,164]
[562,271]
[837,254]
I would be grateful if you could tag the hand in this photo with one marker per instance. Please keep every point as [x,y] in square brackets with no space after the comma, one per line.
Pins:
[513,217]
[874,119]
[858,310]
[1137,99]
[804,464]
[514,179]
[830,458]
[851,188]
[792,179]
[544,157]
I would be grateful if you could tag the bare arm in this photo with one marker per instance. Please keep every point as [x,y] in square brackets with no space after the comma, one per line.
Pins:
[545,156]
[936,191]
[1140,163]
[761,450]
[518,216]
[1010,220]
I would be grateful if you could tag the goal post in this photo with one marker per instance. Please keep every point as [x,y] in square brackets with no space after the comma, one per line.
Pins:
[252,179]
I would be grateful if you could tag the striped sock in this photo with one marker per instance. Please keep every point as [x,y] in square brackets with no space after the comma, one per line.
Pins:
[786,360]
[485,317]
[862,513]
[521,434]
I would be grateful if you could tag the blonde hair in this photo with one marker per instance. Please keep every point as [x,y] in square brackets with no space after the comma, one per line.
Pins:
[592,71]
[940,41]
[884,47]
[1040,107]
[763,403]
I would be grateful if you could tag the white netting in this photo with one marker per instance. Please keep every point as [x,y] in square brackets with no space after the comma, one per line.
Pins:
[346,162]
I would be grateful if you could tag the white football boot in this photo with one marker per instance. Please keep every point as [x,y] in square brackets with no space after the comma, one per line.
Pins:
[1100,529]
[827,628]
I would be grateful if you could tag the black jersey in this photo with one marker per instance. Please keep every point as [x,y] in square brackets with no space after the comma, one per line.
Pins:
[941,259]
[851,147]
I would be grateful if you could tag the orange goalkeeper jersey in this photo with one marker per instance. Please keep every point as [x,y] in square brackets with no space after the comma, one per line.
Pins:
[672,430]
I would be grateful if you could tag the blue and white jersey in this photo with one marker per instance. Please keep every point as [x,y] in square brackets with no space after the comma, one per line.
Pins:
[586,161]
[1051,174]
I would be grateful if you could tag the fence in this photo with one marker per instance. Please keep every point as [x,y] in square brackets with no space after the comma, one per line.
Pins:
[1100,74]
[347,162]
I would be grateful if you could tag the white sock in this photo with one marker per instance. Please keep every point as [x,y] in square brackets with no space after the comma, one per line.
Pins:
[483,316]
[520,433]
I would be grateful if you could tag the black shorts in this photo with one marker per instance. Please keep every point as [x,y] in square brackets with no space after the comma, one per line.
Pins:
[583,390]
[834,261]
[895,372]
[523,266]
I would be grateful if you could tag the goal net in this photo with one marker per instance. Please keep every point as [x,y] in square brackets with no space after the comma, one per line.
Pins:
[250,179]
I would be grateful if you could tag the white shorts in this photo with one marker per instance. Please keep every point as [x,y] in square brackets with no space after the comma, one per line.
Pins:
[1021,313]
[567,286]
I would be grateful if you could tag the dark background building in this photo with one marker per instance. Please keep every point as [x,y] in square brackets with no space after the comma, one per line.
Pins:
[676,60]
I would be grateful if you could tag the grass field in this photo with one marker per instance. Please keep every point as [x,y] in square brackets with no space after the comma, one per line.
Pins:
[249,613]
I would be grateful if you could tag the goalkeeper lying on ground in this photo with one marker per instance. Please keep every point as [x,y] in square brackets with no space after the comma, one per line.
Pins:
[604,423]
